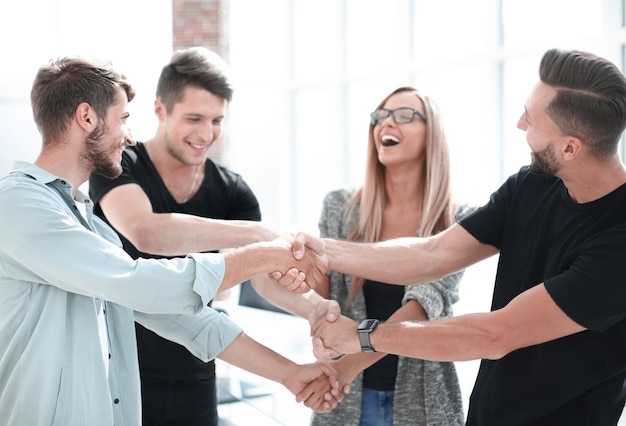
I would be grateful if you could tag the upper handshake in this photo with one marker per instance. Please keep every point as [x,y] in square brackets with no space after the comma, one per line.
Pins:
[310,266]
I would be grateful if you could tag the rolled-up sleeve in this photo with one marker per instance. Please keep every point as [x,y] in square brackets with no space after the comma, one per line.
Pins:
[436,297]
[205,334]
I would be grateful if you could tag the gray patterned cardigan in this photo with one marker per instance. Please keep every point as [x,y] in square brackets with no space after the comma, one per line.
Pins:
[426,393]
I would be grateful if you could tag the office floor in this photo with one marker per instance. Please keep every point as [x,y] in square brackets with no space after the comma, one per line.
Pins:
[256,400]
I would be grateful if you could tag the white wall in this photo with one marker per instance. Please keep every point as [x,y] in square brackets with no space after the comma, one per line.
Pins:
[135,34]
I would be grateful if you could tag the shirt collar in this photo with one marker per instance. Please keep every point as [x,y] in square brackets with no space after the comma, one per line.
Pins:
[33,171]
[45,177]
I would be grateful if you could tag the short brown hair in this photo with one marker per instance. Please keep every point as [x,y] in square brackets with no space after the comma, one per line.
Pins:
[62,84]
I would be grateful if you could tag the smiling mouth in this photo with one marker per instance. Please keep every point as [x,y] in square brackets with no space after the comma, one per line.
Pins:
[389,141]
[194,146]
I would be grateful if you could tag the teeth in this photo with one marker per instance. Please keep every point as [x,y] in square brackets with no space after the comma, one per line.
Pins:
[386,138]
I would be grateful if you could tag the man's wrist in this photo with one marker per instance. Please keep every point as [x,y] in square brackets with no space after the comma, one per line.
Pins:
[365,328]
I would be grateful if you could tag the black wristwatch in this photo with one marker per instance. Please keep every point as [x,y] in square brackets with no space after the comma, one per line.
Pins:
[365,328]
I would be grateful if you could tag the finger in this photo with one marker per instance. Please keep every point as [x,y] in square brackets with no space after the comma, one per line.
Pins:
[298,244]
[275,276]
[289,277]
[298,285]
[318,349]
[331,373]
[333,397]
[302,288]
[334,311]
[315,402]
[329,406]
[290,280]
[305,394]
[321,352]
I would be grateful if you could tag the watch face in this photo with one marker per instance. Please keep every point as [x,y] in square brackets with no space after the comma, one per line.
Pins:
[367,324]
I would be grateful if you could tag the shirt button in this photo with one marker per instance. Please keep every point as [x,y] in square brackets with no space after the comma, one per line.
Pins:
[116,401]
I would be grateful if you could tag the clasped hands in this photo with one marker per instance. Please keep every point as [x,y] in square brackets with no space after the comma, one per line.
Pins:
[306,262]
[333,334]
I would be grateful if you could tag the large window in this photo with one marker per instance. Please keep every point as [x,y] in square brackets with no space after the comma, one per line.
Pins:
[308,74]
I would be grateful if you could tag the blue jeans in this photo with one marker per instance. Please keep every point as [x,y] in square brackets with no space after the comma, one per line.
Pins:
[376,408]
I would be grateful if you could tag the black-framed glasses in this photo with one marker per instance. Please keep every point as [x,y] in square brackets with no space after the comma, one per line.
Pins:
[400,115]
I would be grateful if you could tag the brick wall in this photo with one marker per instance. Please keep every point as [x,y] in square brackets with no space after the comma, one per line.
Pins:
[203,23]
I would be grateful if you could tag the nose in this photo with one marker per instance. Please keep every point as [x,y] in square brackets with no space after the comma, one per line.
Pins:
[521,122]
[129,140]
[210,132]
[389,120]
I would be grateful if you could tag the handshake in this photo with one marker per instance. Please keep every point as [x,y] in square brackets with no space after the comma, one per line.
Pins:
[333,335]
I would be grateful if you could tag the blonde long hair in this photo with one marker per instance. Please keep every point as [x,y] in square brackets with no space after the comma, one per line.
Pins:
[437,206]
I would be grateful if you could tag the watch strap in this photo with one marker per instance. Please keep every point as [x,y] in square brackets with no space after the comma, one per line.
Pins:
[364,330]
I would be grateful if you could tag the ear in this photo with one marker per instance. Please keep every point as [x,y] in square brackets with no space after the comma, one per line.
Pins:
[86,117]
[159,109]
[573,147]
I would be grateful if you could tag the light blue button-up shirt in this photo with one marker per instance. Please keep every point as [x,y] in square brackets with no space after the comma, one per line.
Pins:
[55,265]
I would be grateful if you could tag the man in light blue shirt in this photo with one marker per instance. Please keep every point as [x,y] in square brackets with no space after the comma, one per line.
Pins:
[69,294]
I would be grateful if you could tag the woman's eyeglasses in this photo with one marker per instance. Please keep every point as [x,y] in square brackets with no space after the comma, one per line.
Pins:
[400,115]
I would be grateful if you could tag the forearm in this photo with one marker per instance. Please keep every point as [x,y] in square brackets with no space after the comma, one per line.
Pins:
[172,234]
[301,305]
[250,355]
[254,259]
[403,263]
[411,311]
[463,338]
[531,318]
[407,261]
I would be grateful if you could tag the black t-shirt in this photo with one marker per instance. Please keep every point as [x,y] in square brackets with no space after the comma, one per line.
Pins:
[223,195]
[579,252]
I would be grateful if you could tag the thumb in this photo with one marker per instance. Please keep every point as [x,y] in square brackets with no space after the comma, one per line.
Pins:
[334,311]
[298,244]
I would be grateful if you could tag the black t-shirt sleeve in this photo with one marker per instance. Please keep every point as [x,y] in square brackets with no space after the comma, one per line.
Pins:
[592,291]
[245,205]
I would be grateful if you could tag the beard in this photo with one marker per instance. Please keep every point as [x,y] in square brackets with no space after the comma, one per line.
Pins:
[97,156]
[544,162]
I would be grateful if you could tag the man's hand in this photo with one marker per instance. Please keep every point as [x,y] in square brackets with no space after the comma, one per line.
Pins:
[346,375]
[308,251]
[304,242]
[293,280]
[320,396]
[333,339]
[325,310]
[319,379]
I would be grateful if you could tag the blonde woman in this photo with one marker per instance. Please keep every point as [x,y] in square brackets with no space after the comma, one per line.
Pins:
[406,193]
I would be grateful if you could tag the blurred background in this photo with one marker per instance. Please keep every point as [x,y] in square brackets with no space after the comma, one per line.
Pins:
[307,74]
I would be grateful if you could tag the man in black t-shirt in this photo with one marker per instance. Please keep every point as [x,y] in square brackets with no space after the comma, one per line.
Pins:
[553,347]
[171,200]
